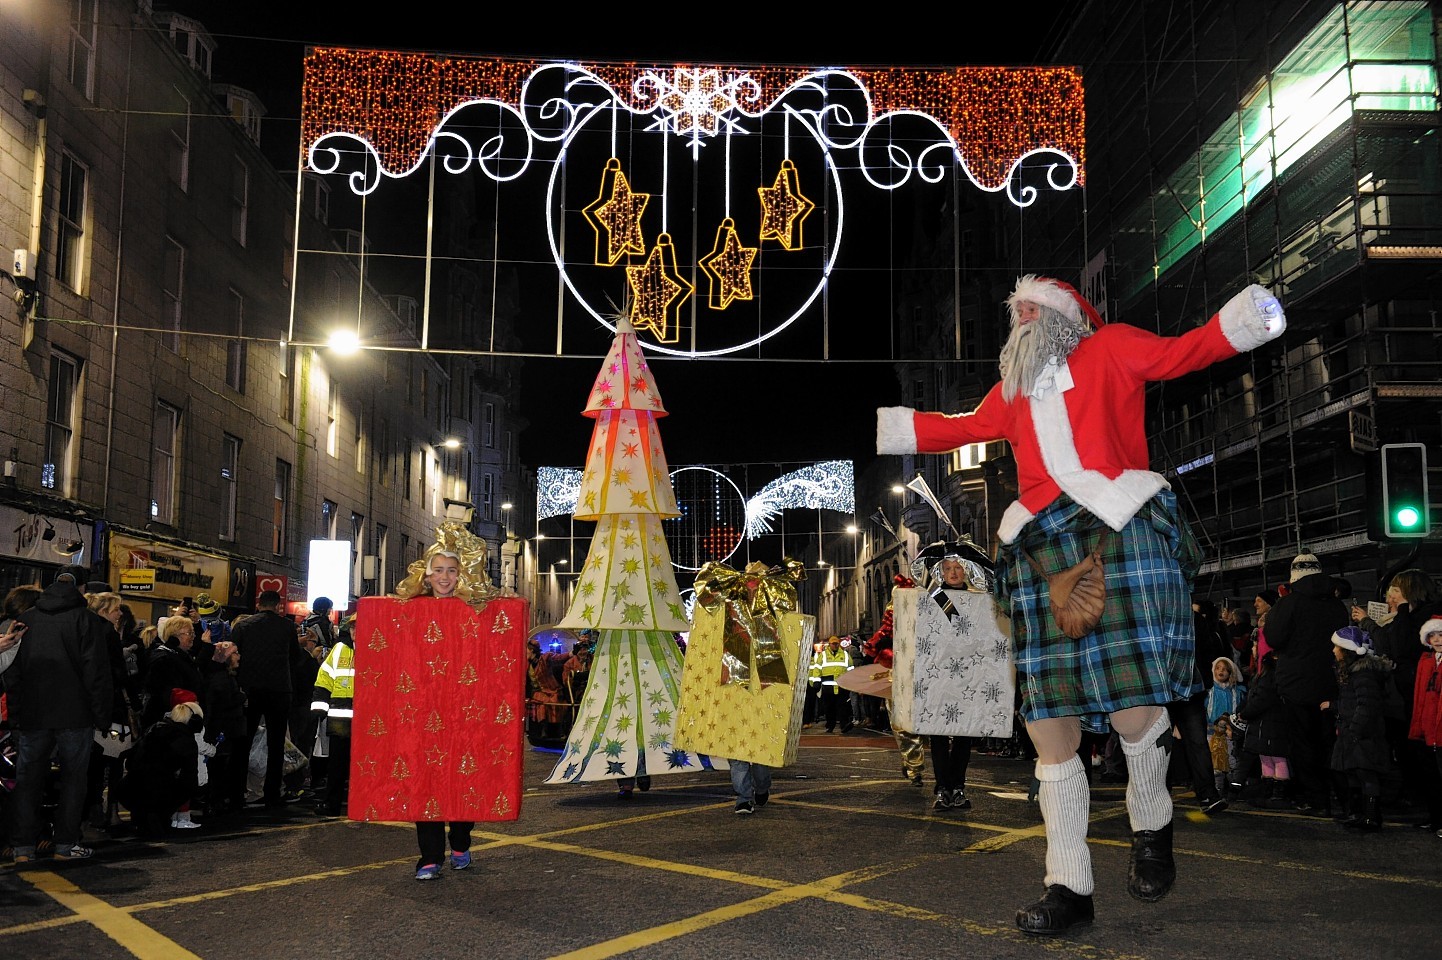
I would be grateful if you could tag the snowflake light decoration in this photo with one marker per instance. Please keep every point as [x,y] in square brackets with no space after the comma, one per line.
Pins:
[695,101]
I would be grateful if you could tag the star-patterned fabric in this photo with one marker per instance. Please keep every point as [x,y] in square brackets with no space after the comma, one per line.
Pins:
[625,381]
[440,692]
[626,469]
[754,722]
[951,676]
[628,582]
[624,727]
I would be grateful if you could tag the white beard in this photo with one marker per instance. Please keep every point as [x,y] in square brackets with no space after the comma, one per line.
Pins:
[1052,336]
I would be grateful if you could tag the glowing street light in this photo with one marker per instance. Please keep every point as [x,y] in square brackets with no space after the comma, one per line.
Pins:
[344,342]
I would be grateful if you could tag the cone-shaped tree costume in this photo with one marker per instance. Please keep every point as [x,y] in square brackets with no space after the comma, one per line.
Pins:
[627,588]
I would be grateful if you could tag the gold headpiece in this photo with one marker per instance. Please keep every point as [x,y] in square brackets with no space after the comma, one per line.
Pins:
[452,539]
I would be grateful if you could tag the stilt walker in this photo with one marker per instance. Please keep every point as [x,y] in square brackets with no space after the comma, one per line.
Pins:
[627,588]
[1111,644]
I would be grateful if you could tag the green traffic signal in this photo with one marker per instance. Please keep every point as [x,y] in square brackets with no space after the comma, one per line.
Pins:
[1407,518]
[1404,490]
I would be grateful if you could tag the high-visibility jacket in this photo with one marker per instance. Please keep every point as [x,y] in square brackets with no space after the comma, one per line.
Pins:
[335,689]
[827,666]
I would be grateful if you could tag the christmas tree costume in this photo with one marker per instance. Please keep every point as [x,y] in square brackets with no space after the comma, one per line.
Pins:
[627,589]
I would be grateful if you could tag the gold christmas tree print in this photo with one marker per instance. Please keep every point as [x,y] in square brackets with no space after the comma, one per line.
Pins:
[627,585]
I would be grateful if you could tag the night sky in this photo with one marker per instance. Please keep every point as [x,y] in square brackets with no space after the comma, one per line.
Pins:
[720,412]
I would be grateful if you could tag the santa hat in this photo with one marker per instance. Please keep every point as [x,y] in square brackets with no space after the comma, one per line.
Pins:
[1305,564]
[1431,628]
[1354,639]
[179,695]
[1056,294]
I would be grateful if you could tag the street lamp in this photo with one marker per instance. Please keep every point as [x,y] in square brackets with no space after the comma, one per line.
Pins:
[344,342]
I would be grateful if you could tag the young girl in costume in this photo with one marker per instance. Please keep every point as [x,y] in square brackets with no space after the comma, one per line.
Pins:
[1225,698]
[1362,753]
[1426,722]
[453,567]
[1268,733]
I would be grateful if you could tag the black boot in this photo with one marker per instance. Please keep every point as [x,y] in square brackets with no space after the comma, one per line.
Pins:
[1153,871]
[1368,817]
[1058,911]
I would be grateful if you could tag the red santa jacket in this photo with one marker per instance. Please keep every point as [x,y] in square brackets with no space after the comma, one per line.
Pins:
[1427,702]
[1085,436]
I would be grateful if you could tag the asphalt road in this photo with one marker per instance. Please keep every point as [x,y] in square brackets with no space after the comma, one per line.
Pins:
[847,861]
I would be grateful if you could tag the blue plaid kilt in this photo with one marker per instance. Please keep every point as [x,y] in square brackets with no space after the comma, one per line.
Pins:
[1142,650]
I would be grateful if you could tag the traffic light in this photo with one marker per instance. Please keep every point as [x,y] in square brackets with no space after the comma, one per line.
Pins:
[1405,513]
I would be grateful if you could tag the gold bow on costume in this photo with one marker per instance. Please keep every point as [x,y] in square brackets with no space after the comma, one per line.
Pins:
[754,599]
[452,537]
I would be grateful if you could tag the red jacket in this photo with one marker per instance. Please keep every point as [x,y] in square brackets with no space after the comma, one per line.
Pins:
[1427,702]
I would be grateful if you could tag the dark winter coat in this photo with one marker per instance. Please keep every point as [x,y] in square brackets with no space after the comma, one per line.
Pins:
[224,704]
[163,772]
[1269,724]
[1398,641]
[170,667]
[269,653]
[1300,628]
[1361,709]
[60,679]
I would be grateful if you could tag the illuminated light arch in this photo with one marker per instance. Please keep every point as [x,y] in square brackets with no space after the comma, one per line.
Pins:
[985,123]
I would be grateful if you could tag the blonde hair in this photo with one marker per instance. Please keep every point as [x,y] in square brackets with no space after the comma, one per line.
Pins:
[172,627]
[103,603]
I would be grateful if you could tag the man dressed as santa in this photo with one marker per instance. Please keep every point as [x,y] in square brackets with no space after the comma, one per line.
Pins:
[1070,403]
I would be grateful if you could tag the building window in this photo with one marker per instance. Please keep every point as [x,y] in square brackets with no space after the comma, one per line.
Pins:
[60,422]
[165,447]
[332,417]
[70,251]
[239,200]
[328,514]
[191,42]
[288,381]
[406,469]
[179,160]
[317,194]
[488,424]
[229,477]
[357,548]
[173,290]
[360,443]
[235,346]
[506,450]
[383,546]
[488,498]
[387,465]
[84,15]
[282,506]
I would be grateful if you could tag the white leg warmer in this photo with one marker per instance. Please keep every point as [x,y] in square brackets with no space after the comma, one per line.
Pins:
[1149,802]
[1065,798]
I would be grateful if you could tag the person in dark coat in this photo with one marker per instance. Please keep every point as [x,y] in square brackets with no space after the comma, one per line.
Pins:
[1413,599]
[1361,752]
[161,774]
[268,658]
[1268,735]
[225,730]
[1300,629]
[59,692]
[172,665]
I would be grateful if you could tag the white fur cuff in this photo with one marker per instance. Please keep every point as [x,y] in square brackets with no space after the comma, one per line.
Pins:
[895,430]
[1252,318]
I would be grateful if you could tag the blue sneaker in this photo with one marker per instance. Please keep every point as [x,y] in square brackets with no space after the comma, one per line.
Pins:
[461,861]
[429,872]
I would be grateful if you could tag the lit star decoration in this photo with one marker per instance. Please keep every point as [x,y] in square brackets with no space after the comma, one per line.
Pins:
[657,292]
[728,266]
[784,208]
[616,213]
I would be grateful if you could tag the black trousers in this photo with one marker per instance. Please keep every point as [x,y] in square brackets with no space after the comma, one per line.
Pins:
[274,707]
[836,703]
[949,759]
[337,782]
[1190,718]
[1313,731]
[432,836]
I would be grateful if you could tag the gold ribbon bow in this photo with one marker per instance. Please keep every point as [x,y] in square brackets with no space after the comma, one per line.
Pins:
[753,600]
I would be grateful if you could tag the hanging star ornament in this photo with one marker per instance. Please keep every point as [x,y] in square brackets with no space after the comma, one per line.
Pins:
[616,213]
[783,208]
[729,267]
[657,292]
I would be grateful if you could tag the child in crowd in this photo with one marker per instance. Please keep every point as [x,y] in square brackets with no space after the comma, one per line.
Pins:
[1426,722]
[1224,699]
[1361,752]
[1268,733]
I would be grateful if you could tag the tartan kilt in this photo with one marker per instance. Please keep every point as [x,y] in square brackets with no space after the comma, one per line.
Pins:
[1142,650]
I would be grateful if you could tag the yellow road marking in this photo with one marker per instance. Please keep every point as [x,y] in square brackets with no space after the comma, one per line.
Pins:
[115,923]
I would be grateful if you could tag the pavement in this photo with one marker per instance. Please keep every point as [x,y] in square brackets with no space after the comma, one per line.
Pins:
[846,861]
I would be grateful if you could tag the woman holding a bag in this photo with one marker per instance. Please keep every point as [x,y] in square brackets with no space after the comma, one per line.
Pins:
[105,760]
